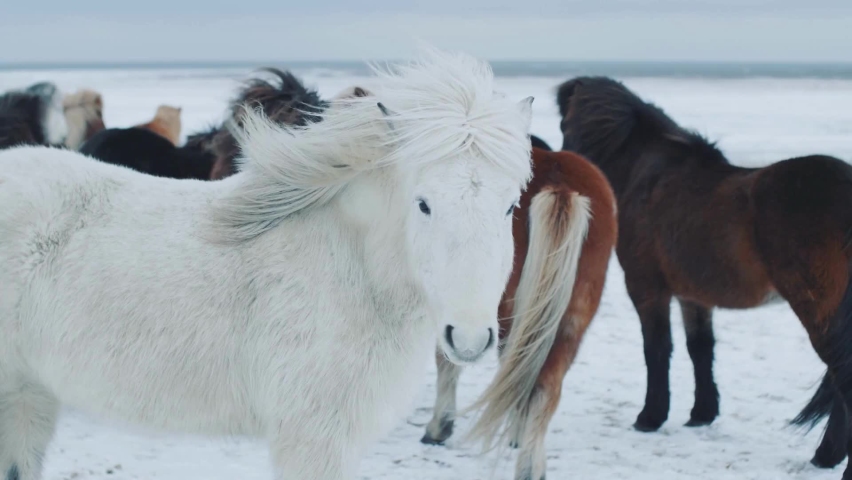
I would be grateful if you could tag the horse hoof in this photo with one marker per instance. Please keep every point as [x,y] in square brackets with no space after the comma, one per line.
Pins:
[640,427]
[697,422]
[428,440]
[647,422]
[827,461]
[644,424]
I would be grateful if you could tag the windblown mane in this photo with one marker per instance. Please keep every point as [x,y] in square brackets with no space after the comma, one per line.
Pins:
[600,116]
[283,100]
[440,106]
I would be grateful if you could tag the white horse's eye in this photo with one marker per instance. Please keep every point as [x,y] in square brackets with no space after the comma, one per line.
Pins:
[424,207]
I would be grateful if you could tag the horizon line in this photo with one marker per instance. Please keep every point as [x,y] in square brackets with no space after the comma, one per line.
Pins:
[4,65]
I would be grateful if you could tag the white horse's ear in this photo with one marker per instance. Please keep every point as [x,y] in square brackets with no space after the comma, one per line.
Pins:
[525,106]
[387,114]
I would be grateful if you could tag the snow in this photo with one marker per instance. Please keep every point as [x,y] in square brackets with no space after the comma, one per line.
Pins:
[765,367]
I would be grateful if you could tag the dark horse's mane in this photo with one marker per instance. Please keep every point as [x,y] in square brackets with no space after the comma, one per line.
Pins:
[284,100]
[22,115]
[602,118]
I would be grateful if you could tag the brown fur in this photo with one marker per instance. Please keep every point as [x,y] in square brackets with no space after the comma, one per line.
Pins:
[568,177]
[166,123]
[695,228]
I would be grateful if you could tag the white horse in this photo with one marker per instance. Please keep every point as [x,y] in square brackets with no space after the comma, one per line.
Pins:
[297,301]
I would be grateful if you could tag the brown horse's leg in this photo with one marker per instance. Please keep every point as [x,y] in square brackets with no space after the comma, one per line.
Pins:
[532,456]
[653,313]
[698,323]
[441,427]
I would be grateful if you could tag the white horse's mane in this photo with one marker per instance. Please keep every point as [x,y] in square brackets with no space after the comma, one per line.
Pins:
[440,106]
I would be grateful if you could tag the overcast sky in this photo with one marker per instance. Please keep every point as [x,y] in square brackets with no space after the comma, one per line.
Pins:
[260,30]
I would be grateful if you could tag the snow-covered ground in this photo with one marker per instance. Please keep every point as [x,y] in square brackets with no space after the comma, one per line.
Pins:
[765,367]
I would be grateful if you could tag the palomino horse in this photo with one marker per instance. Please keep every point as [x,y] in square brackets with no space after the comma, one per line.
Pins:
[284,100]
[564,236]
[32,116]
[166,123]
[84,114]
[696,228]
[297,301]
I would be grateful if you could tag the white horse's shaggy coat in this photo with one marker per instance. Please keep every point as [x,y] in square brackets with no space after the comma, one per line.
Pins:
[297,300]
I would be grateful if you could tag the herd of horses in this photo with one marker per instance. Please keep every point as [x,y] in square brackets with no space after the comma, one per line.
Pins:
[683,221]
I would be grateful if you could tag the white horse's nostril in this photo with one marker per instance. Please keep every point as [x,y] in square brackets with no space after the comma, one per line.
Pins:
[448,336]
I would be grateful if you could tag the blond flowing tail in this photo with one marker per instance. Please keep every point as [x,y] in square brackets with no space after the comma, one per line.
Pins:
[559,222]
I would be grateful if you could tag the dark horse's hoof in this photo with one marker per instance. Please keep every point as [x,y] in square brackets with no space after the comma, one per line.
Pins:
[428,440]
[647,423]
[641,427]
[698,422]
[824,459]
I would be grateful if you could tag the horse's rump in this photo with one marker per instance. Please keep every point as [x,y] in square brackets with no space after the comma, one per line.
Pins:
[565,232]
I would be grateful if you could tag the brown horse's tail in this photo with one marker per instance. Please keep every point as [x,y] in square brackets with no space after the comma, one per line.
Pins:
[559,222]
[822,403]
[818,407]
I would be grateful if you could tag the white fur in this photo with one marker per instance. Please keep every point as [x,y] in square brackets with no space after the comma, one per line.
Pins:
[297,300]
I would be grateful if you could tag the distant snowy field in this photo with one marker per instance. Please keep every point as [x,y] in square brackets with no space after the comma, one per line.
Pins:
[765,367]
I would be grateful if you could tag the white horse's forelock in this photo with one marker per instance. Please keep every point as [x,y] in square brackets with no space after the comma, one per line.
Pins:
[440,106]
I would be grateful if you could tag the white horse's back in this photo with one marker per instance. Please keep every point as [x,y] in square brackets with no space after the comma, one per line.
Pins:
[79,238]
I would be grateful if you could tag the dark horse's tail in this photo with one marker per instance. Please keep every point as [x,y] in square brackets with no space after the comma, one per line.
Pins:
[828,402]
[819,406]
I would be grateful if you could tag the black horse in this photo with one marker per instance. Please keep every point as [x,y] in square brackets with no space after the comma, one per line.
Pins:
[147,152]
[33,116]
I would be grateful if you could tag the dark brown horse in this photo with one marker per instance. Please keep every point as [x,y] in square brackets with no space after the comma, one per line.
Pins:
[283,99]
[696,228]
[564,233]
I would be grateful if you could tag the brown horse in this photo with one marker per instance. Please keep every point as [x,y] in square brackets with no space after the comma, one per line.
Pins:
[564,232]
[84,114]
[696,228]
[166,123]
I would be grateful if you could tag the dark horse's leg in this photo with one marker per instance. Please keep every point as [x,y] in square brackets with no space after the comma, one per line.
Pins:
[698,323]
[653,309]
